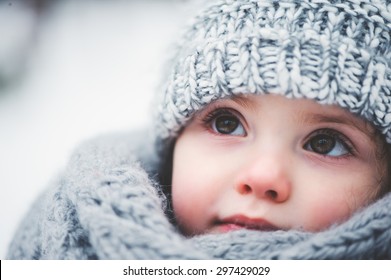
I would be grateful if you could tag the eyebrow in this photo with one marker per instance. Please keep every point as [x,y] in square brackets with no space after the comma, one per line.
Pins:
[345,119]
[244,102]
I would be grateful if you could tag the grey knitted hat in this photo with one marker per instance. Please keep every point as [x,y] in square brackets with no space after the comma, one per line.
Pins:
[331,51]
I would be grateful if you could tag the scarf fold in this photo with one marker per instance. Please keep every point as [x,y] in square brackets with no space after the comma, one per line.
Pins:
[106,206]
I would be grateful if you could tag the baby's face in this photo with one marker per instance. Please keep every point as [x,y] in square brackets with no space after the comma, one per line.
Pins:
[267,163]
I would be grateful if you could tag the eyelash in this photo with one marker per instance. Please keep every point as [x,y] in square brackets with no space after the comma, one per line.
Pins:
[217,112]
[338,136]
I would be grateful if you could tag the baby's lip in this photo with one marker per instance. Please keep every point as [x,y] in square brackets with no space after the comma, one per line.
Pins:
[236,222]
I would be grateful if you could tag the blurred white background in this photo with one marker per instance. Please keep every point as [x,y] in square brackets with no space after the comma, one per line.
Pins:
[71,70]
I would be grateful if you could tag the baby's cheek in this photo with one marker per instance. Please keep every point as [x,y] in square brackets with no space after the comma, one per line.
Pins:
[180,198]
[188,207]
[327,213]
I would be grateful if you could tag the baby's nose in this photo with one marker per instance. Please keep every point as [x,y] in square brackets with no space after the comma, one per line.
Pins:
[266,178]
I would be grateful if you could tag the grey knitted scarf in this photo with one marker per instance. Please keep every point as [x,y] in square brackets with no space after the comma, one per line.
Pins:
[107,203]
[106,206]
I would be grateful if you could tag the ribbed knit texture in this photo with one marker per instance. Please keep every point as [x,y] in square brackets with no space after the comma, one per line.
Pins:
[334,52]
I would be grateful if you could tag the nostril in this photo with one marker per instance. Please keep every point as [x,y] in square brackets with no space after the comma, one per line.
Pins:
[245,189]
[272,194]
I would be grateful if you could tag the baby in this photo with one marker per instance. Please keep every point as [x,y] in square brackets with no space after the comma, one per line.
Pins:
[290,108]
[268,163]
[271,140]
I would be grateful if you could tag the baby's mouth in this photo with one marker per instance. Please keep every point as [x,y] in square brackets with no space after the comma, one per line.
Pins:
[237,222]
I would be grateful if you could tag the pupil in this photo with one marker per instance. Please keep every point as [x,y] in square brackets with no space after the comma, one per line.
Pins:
[322,144]
[226,124]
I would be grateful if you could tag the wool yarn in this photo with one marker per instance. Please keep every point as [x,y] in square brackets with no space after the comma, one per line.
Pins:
[334,52]
[105,206]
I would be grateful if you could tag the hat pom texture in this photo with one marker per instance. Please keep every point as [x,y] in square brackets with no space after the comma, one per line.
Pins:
[334,52]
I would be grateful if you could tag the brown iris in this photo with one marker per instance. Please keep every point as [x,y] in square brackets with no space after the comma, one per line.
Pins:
[226,124]
[322,143]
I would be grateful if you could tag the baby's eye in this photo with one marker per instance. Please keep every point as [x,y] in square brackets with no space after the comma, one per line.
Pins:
[327,143]
[227,123]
